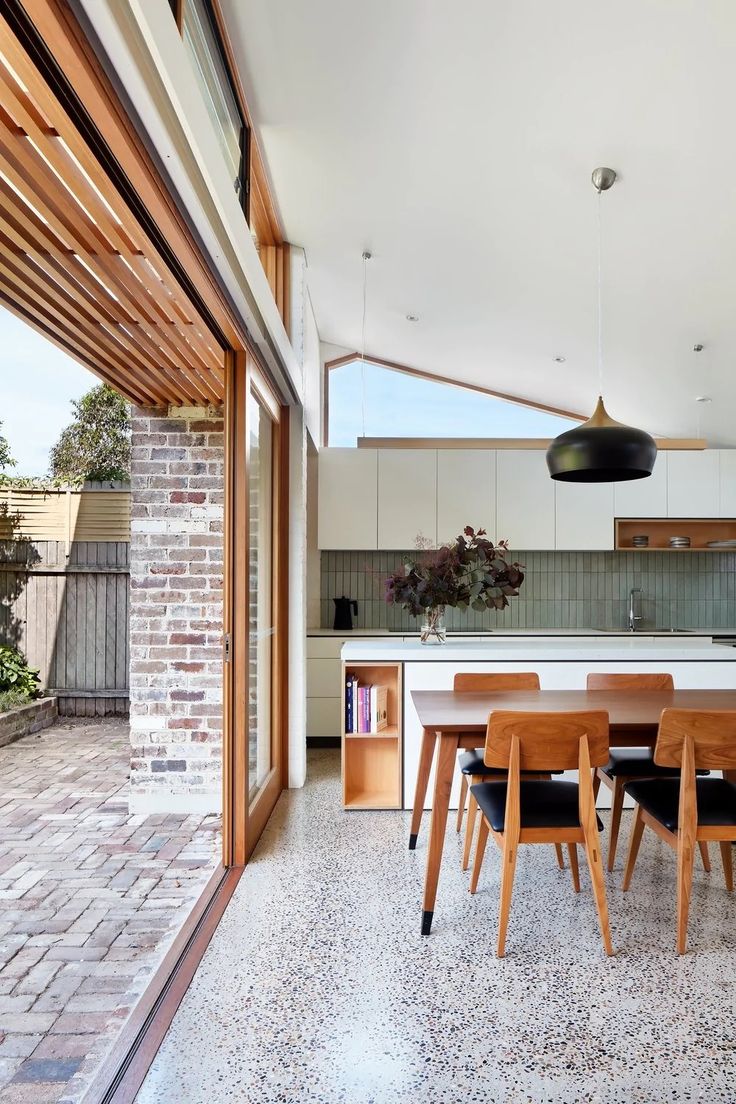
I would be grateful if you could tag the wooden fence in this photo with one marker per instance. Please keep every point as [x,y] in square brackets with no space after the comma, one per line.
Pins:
[64,582]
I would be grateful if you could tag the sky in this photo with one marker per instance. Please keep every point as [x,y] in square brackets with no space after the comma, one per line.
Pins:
[37,383]
[399,405]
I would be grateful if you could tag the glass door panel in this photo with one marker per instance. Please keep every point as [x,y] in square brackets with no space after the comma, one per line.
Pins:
[261,626]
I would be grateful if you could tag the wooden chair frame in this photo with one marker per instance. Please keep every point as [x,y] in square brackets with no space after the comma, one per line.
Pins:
[478,681]
[692,740]
[542,741]
[625,681]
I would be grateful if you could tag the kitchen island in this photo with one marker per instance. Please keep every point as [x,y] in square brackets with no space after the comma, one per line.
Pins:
[380,769]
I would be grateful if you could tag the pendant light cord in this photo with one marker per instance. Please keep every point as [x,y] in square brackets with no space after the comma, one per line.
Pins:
[366,258]
[600,299]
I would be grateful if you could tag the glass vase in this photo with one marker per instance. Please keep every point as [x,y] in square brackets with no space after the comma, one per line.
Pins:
[433,630]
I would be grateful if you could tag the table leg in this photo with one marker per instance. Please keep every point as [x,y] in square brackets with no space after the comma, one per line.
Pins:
[429,738]
[446,760]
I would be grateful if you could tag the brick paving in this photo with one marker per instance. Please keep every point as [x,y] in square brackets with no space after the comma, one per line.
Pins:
[90,899]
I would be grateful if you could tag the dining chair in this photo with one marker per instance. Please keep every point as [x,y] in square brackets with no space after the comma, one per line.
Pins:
[519,811]
[629,764]
[688,810]
[470,762]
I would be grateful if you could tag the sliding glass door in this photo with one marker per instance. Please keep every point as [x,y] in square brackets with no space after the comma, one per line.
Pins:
[262,748]
[256,602]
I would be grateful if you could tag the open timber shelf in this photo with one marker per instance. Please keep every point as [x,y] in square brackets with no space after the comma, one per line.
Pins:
[659,531]
[372,761]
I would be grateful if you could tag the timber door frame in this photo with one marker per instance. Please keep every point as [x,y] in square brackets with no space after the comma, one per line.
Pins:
[243,822]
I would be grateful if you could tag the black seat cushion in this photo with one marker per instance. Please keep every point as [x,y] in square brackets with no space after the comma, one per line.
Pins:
[638,763]
[660,798]
[543,804]
[471,762]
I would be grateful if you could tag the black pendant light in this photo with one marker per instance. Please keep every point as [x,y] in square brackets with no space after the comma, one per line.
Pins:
[601,450]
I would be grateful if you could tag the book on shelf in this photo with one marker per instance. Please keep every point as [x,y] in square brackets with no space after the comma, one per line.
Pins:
[379,708]
[366,707]
[351,703]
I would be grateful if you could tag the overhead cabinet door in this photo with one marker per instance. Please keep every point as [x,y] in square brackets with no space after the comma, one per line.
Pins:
[643,498]
[728,483]
[692,484]
[407,498]
[525,499]
[584,516]
[348,499]
[466,492]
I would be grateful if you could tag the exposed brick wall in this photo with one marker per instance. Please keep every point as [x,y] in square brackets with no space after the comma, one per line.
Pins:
[176,609]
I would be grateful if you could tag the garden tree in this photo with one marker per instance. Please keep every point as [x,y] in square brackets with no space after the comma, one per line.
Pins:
[96,445]
[6,460]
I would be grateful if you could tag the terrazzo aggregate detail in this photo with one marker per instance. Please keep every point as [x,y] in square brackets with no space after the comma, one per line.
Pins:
[318,989]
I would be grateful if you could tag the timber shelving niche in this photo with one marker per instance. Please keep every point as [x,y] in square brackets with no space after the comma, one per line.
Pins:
[659,530]
[371,761]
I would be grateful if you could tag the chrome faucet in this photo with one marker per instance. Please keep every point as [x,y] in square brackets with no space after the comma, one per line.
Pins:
[634,618]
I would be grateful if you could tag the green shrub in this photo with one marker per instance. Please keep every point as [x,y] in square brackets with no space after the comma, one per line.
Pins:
[10,698]
[16,675]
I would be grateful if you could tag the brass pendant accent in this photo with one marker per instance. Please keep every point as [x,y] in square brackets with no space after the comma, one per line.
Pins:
[600,417]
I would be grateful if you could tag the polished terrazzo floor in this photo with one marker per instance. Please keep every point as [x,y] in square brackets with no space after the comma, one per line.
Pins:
[318,987]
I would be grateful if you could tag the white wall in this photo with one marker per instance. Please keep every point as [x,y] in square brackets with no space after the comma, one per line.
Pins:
[297,599]
[314,572]
[313,369]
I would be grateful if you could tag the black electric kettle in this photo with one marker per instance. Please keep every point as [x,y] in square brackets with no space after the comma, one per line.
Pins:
[343,615]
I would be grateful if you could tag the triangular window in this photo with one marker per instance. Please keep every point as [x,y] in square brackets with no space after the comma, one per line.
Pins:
[367,399]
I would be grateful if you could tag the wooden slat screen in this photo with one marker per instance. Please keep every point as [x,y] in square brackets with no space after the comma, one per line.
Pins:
[78,265]
[61,515]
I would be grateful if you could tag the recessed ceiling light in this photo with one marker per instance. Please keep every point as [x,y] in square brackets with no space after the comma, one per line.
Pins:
[559,359]
[412,318]
[703,398]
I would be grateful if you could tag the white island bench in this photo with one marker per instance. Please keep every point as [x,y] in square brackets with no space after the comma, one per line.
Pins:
[379,770]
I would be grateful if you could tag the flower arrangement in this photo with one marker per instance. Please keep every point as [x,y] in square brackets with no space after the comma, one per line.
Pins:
[469,572]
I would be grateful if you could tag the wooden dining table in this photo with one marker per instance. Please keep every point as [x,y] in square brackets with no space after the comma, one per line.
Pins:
[452,720]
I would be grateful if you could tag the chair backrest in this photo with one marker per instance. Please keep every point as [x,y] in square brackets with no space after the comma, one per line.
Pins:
[711,733]
[629,681]
[478,681]
[547,741]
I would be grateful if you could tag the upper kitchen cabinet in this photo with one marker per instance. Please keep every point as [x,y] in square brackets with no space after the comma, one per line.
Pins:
[643,498]
[407,497]
[525,499]
[727,483]
[466,492]
[348,499]
[584,516]
[693,484]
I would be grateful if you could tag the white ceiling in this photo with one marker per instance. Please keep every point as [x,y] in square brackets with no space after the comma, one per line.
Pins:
[456,142]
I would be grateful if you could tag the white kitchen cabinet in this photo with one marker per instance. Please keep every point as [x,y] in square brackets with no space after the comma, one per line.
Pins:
[727,497]
[407,498]
[348,499]
[525,499]
[643,498]
[584,516]
[324,718]
[693,484]
[466,492]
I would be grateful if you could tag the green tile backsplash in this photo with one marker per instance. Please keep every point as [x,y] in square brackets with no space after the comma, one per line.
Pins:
[562,590]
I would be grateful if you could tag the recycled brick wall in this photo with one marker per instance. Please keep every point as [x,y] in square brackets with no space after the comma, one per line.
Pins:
[176,609]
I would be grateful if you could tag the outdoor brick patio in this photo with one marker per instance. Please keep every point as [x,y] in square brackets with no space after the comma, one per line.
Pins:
[90,899]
